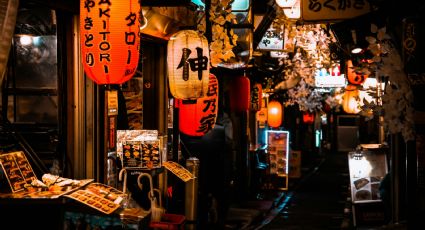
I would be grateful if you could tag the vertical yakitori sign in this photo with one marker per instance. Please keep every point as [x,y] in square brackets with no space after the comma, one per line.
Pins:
[110,39]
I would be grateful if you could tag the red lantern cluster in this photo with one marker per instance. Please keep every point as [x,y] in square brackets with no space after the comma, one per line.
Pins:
[198,117]
[239,94]
[110,39]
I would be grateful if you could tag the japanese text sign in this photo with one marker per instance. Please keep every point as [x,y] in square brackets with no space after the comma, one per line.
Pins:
[322,10]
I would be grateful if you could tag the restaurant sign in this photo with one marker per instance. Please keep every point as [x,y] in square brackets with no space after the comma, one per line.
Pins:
[325,10]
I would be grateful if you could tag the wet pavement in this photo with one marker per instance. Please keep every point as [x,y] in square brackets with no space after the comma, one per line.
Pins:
[318,200]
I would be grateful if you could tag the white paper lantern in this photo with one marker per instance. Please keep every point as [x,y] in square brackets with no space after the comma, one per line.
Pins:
[188,65]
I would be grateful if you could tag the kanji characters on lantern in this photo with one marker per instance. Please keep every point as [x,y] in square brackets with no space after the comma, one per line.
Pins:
[197,117]
[188,65]
[110,39]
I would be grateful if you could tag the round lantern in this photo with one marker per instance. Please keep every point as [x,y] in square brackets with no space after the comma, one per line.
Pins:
[188,65]
[198,117]
[239,94]
[110,39]
[308,118]
[256,97]
[353,77]
[350,100]
[274,114]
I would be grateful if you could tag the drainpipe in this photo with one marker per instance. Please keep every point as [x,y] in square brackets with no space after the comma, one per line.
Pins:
[191,193]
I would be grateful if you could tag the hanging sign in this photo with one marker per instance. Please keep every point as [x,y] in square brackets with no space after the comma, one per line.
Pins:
[323,10]
[110,39]
[256,97]
[271,41]
[112,99]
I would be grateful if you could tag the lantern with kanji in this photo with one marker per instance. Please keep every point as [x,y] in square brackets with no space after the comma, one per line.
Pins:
[256,97]
[274,114]
[188,65]
[197,117]
[350,100]
[354,77]
[110,39]
[239,94]
[308,118]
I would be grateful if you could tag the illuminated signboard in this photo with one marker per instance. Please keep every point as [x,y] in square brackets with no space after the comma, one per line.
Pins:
[330,78]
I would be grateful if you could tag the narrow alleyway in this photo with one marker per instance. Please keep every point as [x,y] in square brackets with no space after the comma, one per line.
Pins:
[318,201]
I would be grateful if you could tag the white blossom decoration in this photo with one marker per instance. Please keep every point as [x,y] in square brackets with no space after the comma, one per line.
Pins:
[398,97]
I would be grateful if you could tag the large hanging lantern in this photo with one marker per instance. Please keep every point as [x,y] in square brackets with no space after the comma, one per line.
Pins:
[256,97]
[274,114]
[110,39]
[353,77]
[350,100]
[198,117]
[188,65]
[239,94]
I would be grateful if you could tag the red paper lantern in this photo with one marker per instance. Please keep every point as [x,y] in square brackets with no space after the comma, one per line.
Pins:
[308,118]
[199,116]
[188,65]
[239,94]
[274,114]
[256,97]
[353,77]
[110,39]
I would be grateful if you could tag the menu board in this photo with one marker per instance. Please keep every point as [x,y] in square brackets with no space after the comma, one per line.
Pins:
[17,169]
[139,148]
[179,171]
[141,154]
[278,150]
[99,196]
[367,169]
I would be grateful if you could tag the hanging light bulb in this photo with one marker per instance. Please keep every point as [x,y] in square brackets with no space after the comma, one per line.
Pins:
[294,12]
[285,3]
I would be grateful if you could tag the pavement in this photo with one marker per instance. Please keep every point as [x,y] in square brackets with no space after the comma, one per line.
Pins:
[320,199]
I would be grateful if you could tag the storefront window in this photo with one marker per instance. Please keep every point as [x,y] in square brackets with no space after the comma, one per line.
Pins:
[32,82]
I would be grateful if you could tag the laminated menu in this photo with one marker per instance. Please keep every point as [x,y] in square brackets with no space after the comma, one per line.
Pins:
[141,154]
[179,171]
[99,196]
[49,187]
[17,170]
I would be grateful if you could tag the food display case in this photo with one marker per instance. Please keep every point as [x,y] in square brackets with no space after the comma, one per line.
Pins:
[277,152]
